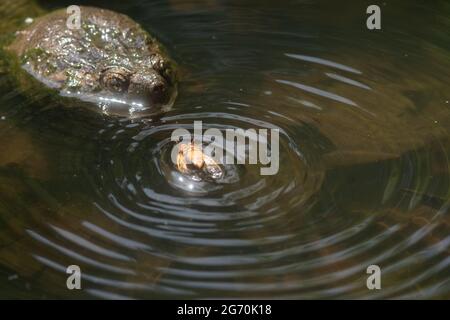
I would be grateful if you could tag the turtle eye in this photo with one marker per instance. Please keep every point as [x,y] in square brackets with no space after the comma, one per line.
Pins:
[115,79]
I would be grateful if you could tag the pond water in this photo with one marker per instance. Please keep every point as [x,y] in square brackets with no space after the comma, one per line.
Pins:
[364,162]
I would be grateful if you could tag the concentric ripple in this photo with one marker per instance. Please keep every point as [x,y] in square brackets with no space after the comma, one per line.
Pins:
[363,176]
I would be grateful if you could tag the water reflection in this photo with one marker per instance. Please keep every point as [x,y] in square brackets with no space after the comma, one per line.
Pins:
[363,179]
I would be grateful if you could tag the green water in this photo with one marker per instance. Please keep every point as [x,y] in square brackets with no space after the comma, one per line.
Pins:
[364,170]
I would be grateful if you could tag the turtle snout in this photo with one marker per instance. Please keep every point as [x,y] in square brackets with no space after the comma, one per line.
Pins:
[151,87]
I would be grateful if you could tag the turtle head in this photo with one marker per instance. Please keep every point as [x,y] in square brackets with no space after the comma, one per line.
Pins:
[148,85]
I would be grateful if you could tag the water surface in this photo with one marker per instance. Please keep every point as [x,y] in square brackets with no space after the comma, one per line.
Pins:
[364,170]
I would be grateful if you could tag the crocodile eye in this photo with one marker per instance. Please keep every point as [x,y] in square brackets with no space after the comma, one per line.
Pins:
[115,79]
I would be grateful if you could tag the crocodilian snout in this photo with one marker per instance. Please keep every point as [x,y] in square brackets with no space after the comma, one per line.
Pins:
[151,88]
